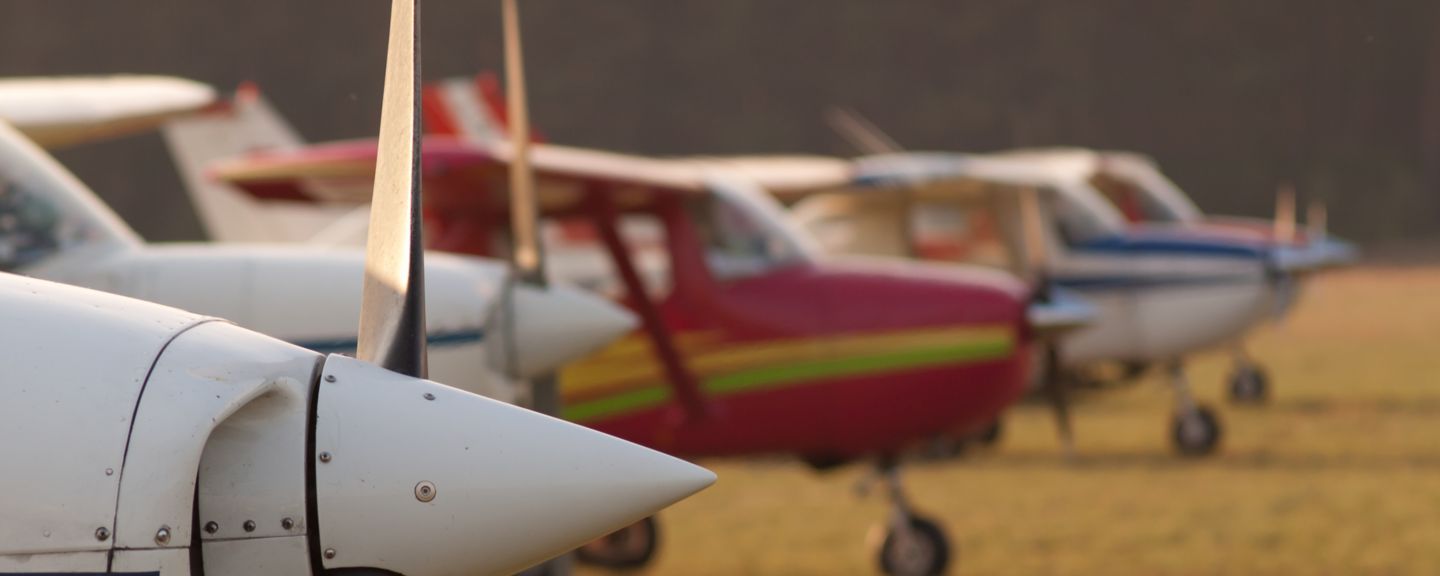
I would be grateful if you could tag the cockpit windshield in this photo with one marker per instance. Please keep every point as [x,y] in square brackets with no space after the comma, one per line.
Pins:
[43,208]
[745,232]
[1141,192]
[1081,213]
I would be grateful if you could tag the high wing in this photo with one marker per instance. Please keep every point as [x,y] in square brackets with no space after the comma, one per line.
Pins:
[56,112]
[467,175]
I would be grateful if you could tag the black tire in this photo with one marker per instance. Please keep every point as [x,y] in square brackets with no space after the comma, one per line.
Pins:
[629,548]
[991,435]
[927,553]
[1196,433]
[1249,385]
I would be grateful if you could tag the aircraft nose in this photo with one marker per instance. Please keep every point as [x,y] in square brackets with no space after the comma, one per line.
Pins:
[556,325]
[418,478]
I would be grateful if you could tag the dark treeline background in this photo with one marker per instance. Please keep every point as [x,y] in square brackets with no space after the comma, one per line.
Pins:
[1231,96]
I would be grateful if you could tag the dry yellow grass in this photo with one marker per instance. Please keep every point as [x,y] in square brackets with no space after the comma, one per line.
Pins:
[1340,474]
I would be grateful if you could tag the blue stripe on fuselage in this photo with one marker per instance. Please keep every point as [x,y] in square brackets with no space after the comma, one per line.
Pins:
[345,346]
[1168,245]
[1120,282]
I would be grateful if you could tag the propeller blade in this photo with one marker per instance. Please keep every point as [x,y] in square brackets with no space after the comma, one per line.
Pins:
[860,132]
[528,256]
[392,314]
[1318,220]
[1059,389]
[1285,213]
[1037,266]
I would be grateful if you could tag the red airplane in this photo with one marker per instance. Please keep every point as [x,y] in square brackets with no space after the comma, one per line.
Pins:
[751,343]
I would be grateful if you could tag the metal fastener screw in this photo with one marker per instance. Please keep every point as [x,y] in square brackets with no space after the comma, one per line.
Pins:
[425,491]
[212,527]
[287,523]
[329,553]
[249,526]
[109,471]
[162,536]
[429,396]
[330,378]
[325,456]
[102,533]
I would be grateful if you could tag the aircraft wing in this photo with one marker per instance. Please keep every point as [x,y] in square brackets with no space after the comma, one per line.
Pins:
[62,111]
[462,175]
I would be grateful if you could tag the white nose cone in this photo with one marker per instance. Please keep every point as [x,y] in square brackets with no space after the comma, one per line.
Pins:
[553,327]
[422,479]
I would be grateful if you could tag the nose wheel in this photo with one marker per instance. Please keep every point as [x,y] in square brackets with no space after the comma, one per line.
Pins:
[1196,433]
[628,548]
[1195,430]
[913,545]
[1249,382]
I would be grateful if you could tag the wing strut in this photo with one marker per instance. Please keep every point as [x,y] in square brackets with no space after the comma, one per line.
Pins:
[682,380]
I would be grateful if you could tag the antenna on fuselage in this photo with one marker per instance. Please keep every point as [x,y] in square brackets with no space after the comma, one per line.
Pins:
[1285,213]
[860,132]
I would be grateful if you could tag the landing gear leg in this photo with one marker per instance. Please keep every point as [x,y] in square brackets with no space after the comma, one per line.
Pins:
[1249,383]
[1195,430]
[913,545]
[629,548]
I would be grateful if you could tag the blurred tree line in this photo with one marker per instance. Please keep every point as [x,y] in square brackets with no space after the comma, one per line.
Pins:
[1233,97]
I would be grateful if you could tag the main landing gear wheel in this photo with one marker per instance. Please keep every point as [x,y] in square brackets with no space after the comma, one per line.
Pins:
[919,548]
[913,545]
[628,548]
[991,435]
[1249,384]
[1196,432]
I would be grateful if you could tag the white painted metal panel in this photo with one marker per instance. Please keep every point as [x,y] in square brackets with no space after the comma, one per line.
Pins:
[69,562]
[203,378]
[265,556]
[172,562]
[75,362]
[512,487]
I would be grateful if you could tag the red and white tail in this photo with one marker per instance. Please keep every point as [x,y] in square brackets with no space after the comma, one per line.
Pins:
[246,125]
[472,109]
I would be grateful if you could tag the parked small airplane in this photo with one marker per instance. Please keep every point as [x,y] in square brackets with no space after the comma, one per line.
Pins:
[1163,293]
[53,227]
[750,342]
[1134,184]
[147,440]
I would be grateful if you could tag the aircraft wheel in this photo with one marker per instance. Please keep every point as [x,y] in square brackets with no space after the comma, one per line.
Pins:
[1196,433]
[990,436]
[1249,385]
[922,550]
[628,548]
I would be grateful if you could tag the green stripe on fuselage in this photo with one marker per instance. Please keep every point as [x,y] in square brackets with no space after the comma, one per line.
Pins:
[768,377]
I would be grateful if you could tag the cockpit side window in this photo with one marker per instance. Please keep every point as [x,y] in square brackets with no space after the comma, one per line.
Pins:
[1132,199]
[972,231]
[736,243]
[1077,222]
[31,228]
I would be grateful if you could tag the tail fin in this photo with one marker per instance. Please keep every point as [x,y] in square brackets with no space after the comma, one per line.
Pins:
[45,211]
[472,109]
[249,124]
[469,108]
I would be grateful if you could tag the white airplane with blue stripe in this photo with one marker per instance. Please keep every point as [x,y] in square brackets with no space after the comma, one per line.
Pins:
[1162,292]
[54,227]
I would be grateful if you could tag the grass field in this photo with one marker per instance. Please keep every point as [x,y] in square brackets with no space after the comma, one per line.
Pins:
[1340,474]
